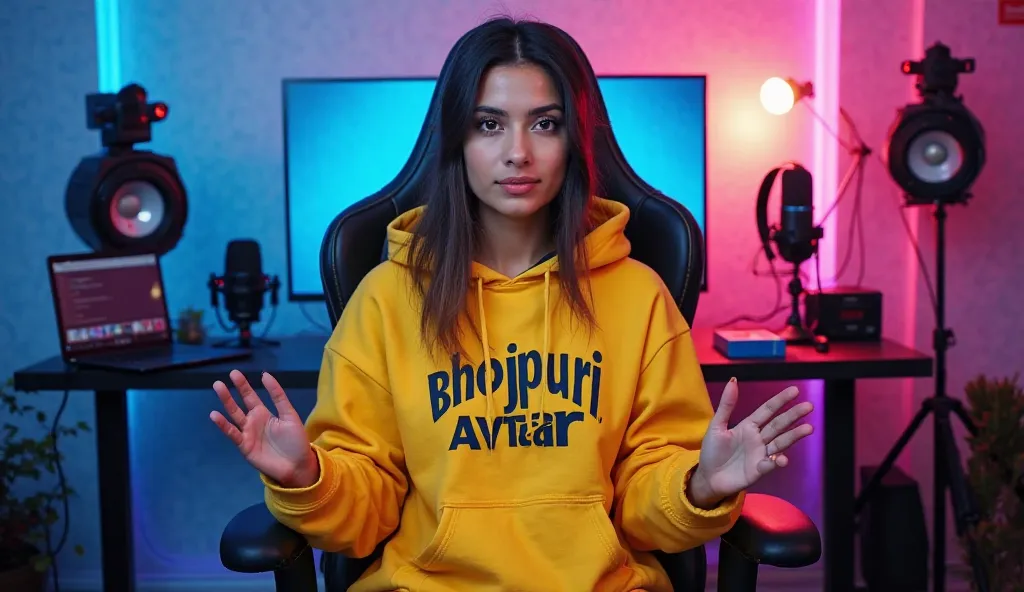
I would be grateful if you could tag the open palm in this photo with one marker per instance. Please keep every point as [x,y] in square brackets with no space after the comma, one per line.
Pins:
[276,446]
[733,459]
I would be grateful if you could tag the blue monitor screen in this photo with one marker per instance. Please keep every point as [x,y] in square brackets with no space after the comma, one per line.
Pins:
[345,139]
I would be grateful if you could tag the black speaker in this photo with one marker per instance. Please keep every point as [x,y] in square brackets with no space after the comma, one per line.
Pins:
[125,199]
[893,536]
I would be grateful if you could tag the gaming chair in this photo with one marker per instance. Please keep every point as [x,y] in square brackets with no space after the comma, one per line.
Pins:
[665,236]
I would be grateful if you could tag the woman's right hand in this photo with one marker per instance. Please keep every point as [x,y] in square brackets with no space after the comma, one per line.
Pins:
[278,446]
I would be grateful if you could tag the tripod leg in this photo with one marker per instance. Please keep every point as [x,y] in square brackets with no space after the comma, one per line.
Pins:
[958,408]
[965,510]
[890,459]
[940,487]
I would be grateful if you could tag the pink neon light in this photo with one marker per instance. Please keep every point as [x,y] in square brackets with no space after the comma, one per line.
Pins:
[827,17]
[825,165]
[907,406]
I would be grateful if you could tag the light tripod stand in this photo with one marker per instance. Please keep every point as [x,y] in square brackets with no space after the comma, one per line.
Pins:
[948,472]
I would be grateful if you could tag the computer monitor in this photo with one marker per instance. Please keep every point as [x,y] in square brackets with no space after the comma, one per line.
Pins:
[345,139]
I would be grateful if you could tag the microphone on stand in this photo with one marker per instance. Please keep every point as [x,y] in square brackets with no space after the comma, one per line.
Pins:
[243,286]
[796,240]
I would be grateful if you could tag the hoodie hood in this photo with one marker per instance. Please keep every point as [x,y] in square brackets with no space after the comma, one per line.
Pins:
[605,244]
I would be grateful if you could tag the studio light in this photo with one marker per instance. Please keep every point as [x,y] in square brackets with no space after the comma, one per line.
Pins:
[936,148]
[123,199]
[778,95]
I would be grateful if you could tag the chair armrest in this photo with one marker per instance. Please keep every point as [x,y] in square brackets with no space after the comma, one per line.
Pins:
[774,532]
[255,542]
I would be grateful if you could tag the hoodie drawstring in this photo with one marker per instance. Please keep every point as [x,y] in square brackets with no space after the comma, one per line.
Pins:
[487,356]
[488,385]
[547,346]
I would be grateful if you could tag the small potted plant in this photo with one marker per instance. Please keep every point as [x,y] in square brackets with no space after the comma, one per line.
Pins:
[190,326]
[27,510]
[995,473]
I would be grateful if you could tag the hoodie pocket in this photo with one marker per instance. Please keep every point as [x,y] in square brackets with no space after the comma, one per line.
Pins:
[558,537]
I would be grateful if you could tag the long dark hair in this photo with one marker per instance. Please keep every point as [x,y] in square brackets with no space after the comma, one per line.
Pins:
[442,247]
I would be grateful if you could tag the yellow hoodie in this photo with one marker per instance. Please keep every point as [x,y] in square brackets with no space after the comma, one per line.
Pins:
[446,456]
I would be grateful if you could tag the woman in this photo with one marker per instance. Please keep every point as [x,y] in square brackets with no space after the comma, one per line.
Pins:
[586,440]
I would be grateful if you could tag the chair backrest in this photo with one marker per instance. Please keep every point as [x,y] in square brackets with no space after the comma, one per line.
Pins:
[663,234]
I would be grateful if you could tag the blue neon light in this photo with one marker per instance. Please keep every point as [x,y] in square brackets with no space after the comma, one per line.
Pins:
[108,45]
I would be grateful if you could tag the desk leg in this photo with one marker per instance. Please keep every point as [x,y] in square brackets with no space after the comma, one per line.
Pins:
[115,491]
[839,485]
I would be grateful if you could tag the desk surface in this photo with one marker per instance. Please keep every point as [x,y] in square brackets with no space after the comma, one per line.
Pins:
[296,363]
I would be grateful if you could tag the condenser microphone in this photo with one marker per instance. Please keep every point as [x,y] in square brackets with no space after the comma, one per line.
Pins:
[244,282]
[243,286]
[796,237]
[797,207]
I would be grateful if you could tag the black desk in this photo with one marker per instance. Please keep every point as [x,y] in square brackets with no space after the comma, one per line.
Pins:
[296,365]
[839,369]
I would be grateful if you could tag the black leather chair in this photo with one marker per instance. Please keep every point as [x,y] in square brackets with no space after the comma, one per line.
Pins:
[665,236]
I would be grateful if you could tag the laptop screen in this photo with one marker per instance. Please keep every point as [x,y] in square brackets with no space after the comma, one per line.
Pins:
[109,302]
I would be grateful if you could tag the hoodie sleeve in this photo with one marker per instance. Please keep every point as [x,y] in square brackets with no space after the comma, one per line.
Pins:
[357,500]
[660,449]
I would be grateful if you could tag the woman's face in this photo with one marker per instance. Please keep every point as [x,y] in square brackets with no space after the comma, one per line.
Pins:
[516,151]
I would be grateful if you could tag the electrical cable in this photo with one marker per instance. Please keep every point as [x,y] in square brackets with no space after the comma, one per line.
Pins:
[776,309]
[231,329]
[922,266]
[313,321]
[860,151]
[52,551]
[269,322]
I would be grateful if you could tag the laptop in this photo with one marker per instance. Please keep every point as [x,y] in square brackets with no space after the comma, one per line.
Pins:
[112,313]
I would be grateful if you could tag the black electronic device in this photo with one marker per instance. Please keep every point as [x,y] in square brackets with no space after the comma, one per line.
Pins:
[893,535]
[124,199]
[796,237]
[243,285]
[112,313]
[845,314]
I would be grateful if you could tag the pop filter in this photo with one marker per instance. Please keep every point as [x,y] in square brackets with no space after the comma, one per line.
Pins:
[243,286]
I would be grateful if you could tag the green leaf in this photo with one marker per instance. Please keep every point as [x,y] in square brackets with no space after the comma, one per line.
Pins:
[41,416]
[41,562]
[996,407]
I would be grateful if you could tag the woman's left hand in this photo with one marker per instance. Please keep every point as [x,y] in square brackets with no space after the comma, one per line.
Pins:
[732,460]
